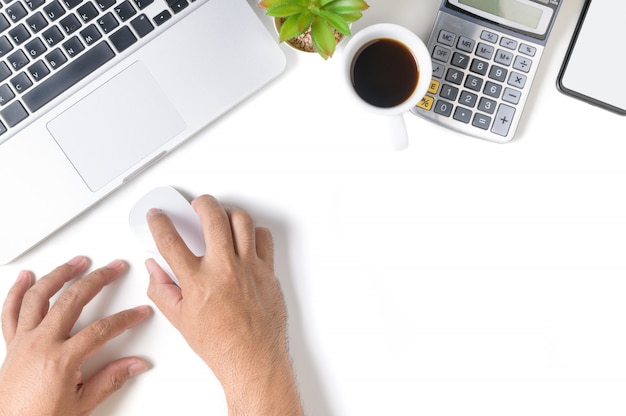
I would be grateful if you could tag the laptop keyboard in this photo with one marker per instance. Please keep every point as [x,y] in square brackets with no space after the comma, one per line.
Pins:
[47,46]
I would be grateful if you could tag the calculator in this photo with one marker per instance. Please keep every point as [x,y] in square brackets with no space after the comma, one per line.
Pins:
[485,56]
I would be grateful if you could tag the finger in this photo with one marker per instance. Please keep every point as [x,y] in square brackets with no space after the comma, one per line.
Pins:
[215,227]
[36,301]
[92,338]
[243,233]
[170,244]
[265,245]
[68,307]
[13,304]
[108,380]
[164,293]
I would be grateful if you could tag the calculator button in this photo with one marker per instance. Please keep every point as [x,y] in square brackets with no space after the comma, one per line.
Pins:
[438,70]
[527,50]
[508,43]
[498,73]
[426,103]
[479,67]
[503,119]
[443,108]
[462,114]
[465,44]
[469,99]
[454,76]
[473,83]
[511,95]
[489,36]
[517,80]
[446,38]
[522,64]
[492,89]
[481,121]
[503,57]
[441,54]
[484,51]
[486,105]
[433,87]
[449,92]
[460,60]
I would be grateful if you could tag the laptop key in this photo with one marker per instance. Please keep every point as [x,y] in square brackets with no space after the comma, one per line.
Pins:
[16,11]
[54,10]
[90,34]
[38,70]
[5,71]
[75,71]
[13,113]
[6,94]
[142,25]
[162,17]
[123,39]
[56,58]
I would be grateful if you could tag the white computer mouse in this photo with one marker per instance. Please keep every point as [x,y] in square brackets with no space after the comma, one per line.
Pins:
[182,214]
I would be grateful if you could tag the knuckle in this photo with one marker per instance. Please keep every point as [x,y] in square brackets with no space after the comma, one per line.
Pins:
[68,297]
[101,329]
[242,218]
[116,382]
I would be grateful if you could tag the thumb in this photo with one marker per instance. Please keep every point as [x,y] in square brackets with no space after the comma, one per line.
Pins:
[110,379]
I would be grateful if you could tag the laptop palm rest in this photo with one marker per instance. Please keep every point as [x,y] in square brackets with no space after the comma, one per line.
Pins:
[123,121]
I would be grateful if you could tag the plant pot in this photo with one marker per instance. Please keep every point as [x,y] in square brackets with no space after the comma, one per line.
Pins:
[303,42]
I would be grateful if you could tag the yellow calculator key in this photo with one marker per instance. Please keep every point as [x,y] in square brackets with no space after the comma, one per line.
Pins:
[426,103]
[433,87]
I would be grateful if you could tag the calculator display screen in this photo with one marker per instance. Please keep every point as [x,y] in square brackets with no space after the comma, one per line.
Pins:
[512,10]
[522,15]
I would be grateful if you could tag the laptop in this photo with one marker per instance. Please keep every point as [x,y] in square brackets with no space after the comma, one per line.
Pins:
[96,91]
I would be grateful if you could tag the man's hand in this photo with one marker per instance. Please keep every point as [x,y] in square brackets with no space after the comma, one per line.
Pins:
[41,374]
[229,306]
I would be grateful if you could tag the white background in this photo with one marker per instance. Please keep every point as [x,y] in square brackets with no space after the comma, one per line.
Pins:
[456,277]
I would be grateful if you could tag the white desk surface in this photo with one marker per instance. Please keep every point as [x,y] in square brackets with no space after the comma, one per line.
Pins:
[457,277]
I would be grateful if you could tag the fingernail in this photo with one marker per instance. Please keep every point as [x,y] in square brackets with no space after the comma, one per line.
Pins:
[23,276]
[116,264]
[143,309]
[153,211]
[136,368]
[76,261]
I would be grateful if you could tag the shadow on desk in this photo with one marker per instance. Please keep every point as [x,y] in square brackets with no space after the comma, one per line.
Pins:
[311,388]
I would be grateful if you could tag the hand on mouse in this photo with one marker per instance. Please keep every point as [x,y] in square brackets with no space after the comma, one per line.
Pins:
[41,374]
[229,306]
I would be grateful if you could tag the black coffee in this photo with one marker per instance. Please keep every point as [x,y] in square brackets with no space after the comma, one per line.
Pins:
[384,73]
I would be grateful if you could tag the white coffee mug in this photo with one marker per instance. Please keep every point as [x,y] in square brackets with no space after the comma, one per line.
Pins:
[388,70]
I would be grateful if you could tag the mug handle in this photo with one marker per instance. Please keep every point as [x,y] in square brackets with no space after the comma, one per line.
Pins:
[397,130]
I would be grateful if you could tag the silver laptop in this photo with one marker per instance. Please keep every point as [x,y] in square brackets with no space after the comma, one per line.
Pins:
[94,91]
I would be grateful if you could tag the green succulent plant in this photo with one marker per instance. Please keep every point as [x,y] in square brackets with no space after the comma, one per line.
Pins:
[321,16]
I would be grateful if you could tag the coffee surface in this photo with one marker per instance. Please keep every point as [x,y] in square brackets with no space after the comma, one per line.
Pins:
[384,73]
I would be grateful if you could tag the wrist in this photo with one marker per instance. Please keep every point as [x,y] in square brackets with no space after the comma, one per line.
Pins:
[270,392]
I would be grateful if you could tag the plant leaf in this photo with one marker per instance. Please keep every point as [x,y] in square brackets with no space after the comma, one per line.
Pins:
[336,21]
[285,10]
[289,29]
[266,4]
[346,6]
[351,17]
[323,38]
[304,21]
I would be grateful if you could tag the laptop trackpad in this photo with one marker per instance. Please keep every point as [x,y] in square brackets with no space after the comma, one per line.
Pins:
[122,122]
